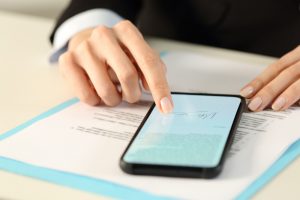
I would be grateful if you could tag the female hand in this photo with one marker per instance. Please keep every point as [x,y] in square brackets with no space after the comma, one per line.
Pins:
[101,58]
[277,86]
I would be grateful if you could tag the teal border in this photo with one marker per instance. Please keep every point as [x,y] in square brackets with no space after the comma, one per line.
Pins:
[106,188]
[88,184]
[38,118]
[287,158]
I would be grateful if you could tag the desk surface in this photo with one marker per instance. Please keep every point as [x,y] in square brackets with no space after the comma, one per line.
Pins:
[29,85]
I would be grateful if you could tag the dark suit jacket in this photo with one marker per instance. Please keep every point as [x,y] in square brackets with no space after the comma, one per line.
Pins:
[270,27]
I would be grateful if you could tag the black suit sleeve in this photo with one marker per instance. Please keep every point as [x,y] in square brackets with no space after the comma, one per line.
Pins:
[128,9]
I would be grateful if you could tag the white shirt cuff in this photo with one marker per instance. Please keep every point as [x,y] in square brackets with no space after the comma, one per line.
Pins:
[79,22]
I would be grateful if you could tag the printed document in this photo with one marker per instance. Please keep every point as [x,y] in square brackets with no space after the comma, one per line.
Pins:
[90,140]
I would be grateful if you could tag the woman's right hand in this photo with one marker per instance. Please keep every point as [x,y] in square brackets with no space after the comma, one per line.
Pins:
[100,59]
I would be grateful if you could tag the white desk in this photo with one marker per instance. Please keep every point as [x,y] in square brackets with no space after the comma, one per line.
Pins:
[29,86]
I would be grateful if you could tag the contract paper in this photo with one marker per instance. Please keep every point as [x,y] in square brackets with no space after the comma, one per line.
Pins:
[90,141]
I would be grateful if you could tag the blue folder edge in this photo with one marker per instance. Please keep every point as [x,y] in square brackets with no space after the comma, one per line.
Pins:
[110,189]
[85,183]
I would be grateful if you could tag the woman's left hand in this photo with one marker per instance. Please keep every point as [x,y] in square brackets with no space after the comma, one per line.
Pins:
[278,86]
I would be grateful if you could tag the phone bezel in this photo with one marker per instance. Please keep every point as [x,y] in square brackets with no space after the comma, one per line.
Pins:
[182,171]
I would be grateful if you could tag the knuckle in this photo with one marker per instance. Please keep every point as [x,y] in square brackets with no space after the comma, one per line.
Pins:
[106,92]
[294,71]
[114,102]
[126,27]
[134,98]
[269,91]
[83,49]
[83,52]
[290,72]
[152,60]
[89,99]
[258,83]
[109,97]
[101,32]
[128,76]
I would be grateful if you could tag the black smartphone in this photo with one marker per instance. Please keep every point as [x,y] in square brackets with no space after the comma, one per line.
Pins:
[192,141]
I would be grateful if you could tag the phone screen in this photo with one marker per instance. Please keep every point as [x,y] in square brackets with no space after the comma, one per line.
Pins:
[193,135]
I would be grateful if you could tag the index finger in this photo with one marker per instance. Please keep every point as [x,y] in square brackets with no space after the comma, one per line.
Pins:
[149,63]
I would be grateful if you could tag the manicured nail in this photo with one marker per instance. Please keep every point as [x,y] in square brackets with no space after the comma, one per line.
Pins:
[166,105]
[247,91]
[279,103]
[255,103]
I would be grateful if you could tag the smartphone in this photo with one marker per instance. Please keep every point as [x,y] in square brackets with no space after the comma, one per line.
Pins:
[192,141]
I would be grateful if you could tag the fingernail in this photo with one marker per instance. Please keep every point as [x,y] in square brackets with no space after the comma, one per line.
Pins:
[255,103]
[279,103]
[247,91]
[166,105]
